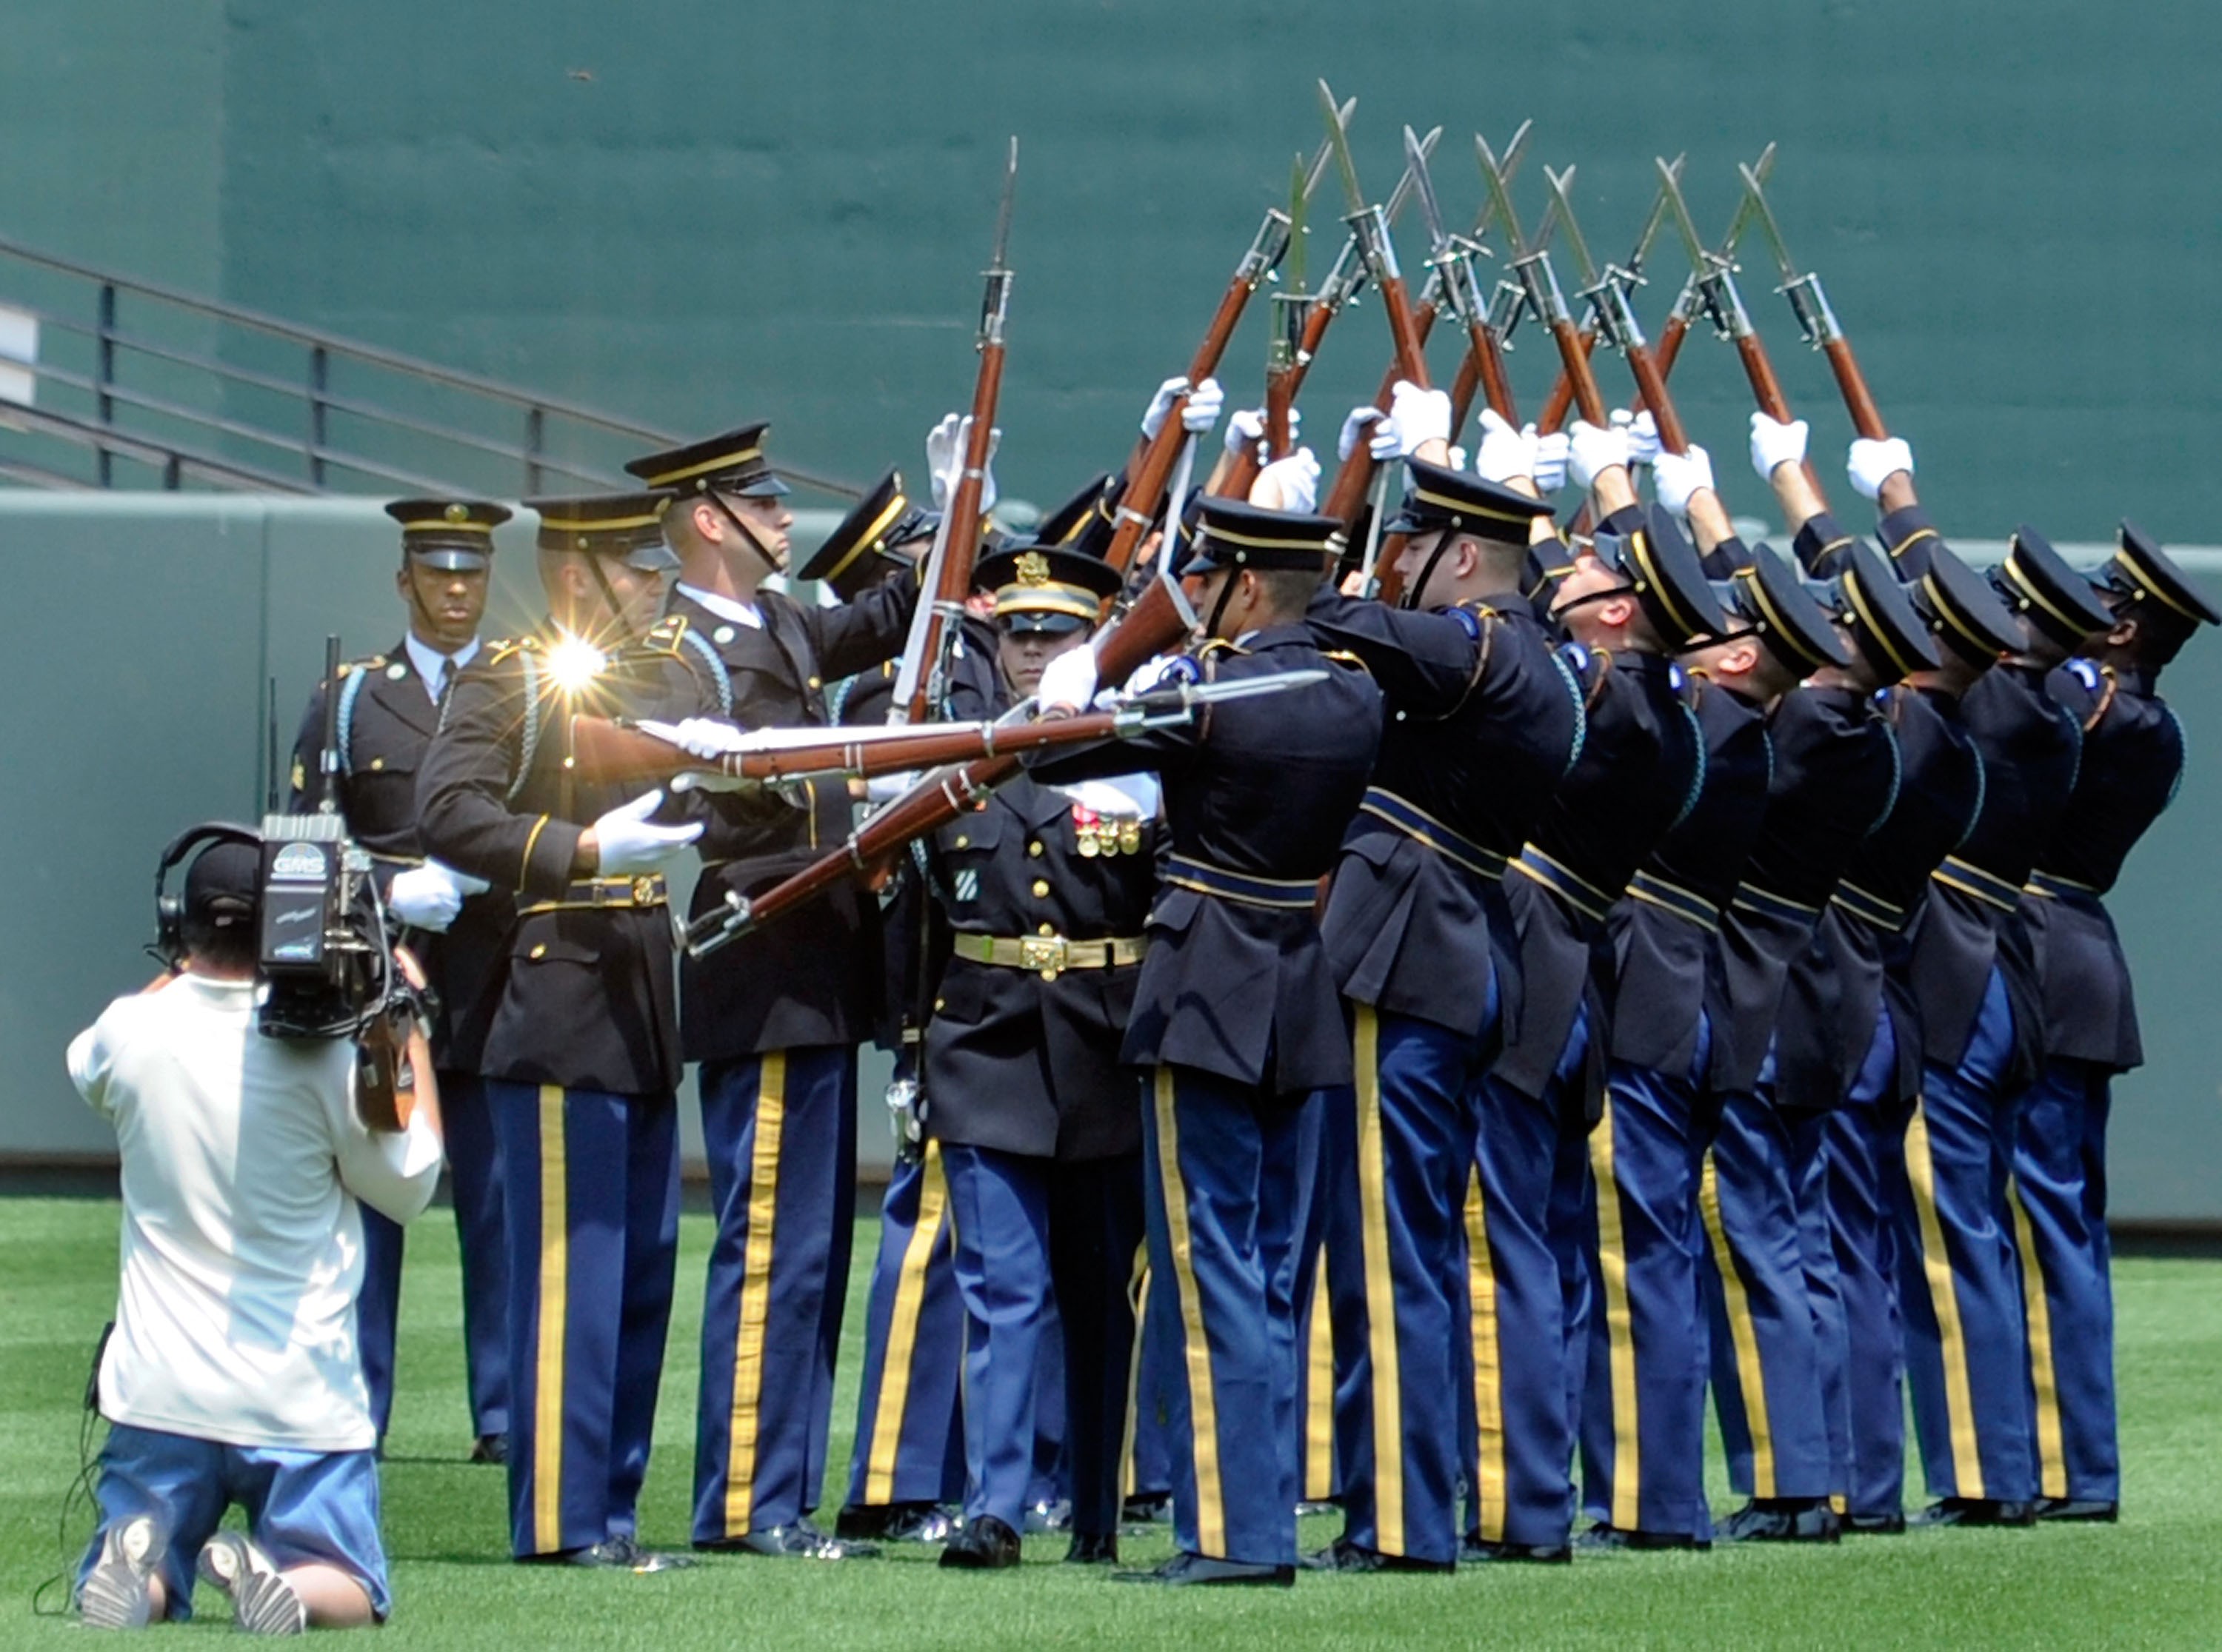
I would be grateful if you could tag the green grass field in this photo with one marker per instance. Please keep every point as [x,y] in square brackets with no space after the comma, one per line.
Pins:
[2155,1580]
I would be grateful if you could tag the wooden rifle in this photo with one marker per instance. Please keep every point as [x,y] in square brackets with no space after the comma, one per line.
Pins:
[1815,319]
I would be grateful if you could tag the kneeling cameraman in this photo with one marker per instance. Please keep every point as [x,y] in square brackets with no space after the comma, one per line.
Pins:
[232,1373]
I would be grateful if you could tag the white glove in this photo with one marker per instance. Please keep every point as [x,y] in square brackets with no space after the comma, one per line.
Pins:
[1290,484]
[426,896]
[1198,414]
[1505,452]
[1354,427]
[1642,435]
[1416,417]
[1675,476]
[1458,458]
[886,788]
[1550,473]
[1774,444]
[945,460]
[1245,430]
[1591,448]
[627,843]
[1068,681]
[1874,463]
[708,738]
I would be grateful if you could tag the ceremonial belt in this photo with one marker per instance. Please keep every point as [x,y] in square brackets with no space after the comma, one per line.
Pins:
[1872,910]
[1767,903]
[1578,892]
[1423,827]
[605,894]
[1289,893]
[1971,879]
[1683,902]
[1050,954]
[2052,886]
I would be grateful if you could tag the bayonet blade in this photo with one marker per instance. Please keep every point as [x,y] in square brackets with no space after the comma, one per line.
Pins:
[1755,193]
[1339,141]
[1651,225]
[1003,212]
[1500,198]
[1762,169]
[1423,190]
[1560,182]
[1670,192]
[1403,190]
[1325,153]
[1237,688]
[1299,198]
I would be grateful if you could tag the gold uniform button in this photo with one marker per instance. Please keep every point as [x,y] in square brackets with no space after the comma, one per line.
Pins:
[962,842]
[814,683]
[1046,928]
[1034,849]
[941,1004]
[540,951]
[377,762]
[1041,887]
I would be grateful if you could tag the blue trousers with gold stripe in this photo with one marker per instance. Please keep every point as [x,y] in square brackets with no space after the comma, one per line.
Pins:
[474,1180]
[1523,1247]
[1643,1410]
[1967,1351]
[591,1191]
[910,1441]
[780,1128]
[1766,1352]
[2059,1203]
[1397,1153]
[1226,1186]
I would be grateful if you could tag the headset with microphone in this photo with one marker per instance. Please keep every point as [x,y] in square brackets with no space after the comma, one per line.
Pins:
[169,948]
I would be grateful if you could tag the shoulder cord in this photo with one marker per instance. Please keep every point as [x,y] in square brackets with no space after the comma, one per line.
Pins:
[529,742]
[695,640]
[1581,712]
[351,686]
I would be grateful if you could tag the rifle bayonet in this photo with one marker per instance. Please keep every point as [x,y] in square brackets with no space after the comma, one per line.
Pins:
[995,303]
[1807,302]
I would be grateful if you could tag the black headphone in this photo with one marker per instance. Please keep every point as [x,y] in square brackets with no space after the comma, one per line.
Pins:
[169,948]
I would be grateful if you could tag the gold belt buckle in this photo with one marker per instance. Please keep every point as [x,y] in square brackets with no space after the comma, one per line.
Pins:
[643,890]
[1046,953]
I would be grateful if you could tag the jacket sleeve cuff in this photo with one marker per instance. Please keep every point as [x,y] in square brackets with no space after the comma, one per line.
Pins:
[549,850]
[1820,545]
[1908,535]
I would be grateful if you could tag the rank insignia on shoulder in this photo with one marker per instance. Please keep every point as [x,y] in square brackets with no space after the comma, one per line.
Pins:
[1344,658]
[348,667]
[664,637]
[503,648]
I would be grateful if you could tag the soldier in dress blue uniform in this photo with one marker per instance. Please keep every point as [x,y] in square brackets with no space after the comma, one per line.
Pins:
[774,1018]
[1482,721]
[582,1054]
[1633,595]
[2132,762]
[389,706]
[1037,1123]
[1236,1020]
[1647,1381]
[1970,968]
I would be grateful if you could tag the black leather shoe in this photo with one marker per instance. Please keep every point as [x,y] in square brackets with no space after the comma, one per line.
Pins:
[2078,1509]
[1093,1548]
[895,1522]
[1976,1512]
[1145,1512]
[491,1449]
[801,1541]
[1477,1551]
[1891,1524]
[1343,1555]
[1783,1520]
[1606,1537]
[985,1544]
[1185,1569]
[621,1554]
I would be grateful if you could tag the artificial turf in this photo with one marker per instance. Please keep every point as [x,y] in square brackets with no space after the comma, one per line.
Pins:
[2155,1580]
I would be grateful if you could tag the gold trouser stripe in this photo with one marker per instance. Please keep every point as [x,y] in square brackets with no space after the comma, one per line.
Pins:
[902,1329]
[756,1293]
[1319,1394]
[2051,1451]
[1202,1404]
[1620,1330]
[1751,1370]
[1491,1493]
[1380,1292]
[1945,1302]
[1138,1292]
[554,1300]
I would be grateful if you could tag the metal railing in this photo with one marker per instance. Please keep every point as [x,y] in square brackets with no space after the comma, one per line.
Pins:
[161,388]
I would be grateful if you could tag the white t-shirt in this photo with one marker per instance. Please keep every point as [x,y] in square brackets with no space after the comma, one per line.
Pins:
[242,1243]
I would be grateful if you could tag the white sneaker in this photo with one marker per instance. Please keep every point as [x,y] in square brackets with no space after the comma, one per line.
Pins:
[262,1602]
[117,1592]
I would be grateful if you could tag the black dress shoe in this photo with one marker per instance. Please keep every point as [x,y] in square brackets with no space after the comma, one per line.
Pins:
[1093,1548]
[1977,1511]
[491,1449]
[1343,1555]
[801,1541]
[895,1522]
[619,1554]
[1152,1511]
[1185,1569]
[1607,1537]
[1479,1551]
[984,1544]
[1889,1523]
[1783,1520]
[2078,1509]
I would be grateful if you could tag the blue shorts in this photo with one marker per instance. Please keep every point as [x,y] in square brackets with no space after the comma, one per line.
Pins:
[302,1507]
